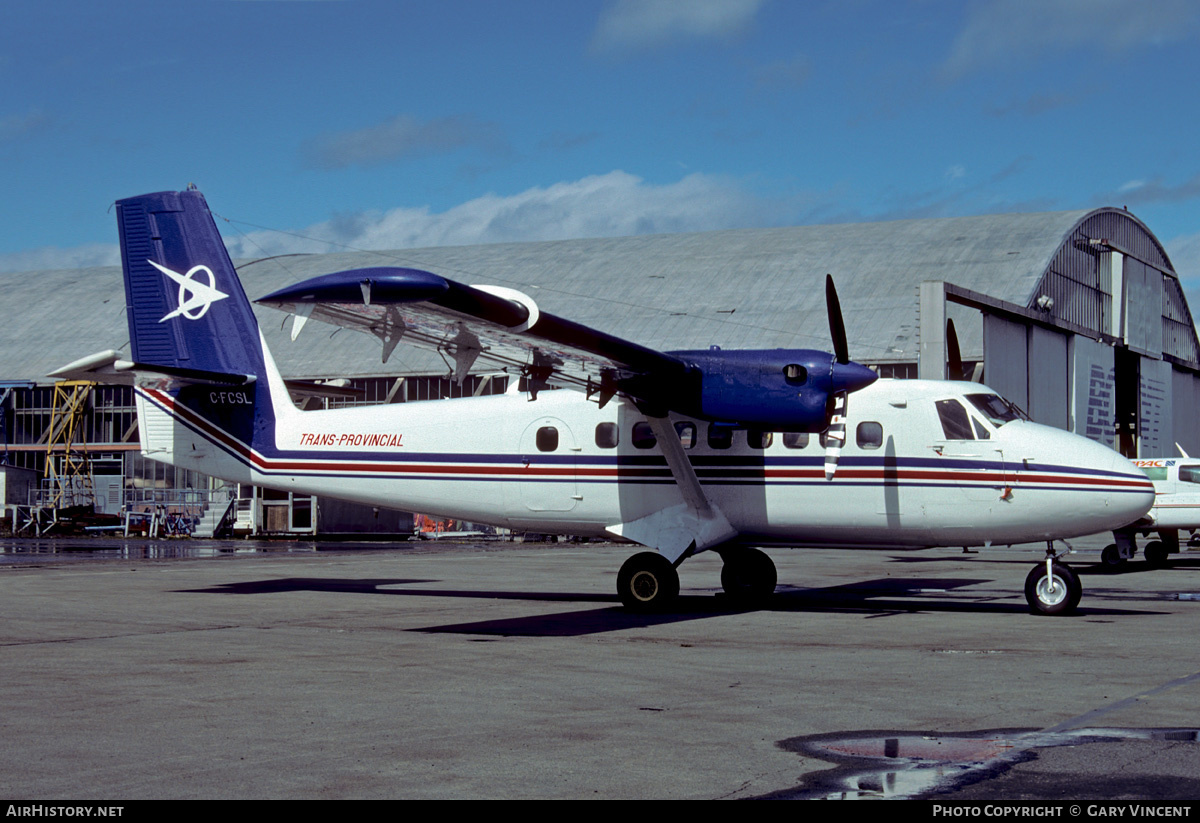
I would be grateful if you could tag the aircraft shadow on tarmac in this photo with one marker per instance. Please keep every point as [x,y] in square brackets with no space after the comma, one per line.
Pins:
[882,597]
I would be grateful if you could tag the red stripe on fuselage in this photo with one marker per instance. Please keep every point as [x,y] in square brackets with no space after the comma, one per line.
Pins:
[965,477]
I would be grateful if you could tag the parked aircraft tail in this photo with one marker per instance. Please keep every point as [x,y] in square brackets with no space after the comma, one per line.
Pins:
[205,378]
[186,308]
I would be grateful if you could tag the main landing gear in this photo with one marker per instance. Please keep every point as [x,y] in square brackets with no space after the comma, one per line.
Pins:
[748,576]
[1052,587]
[648,582]
[1157,552]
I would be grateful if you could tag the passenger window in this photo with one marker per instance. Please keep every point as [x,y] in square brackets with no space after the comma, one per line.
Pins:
[719,437]
[687,434]
[1189,474]
[795,440]
[643,436]
[1156,472]
[955,423]
[759,439]
[870,435]
[547,439]
[607,435]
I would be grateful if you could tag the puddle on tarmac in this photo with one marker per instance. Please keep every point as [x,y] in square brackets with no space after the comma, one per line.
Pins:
[18,551]
[890,765]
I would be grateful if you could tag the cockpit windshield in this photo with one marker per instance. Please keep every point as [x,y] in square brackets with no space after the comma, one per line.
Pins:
[996,409]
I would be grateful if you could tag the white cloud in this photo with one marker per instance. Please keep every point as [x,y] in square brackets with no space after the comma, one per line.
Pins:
[610,205]
[1153,190]
[403,136]
[641,24]
[784,74]
[20,125]
[1184,252]
[1014,32]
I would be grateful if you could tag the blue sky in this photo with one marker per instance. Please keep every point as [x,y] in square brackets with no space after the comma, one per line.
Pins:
[374,124]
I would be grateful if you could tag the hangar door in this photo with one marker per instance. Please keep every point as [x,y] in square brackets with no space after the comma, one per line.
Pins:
[1029,366]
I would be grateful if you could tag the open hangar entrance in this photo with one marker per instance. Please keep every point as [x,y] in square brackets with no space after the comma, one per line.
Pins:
[1106,346]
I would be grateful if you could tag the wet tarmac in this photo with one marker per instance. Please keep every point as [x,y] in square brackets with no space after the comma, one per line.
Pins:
[221,669]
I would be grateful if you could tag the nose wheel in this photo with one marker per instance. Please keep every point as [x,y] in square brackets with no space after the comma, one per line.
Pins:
[1052,587]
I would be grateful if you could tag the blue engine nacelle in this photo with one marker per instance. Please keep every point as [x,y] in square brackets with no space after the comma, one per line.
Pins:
[772,389]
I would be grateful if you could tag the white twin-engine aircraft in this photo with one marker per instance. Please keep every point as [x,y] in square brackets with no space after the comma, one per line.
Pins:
[682,452]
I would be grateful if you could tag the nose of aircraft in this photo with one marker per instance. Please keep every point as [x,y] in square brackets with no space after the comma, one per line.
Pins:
[1112,491]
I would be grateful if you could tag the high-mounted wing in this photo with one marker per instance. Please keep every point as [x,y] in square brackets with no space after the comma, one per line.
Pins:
[776,389]
[467,324]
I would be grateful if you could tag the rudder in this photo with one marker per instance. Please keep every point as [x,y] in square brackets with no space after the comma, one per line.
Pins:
[186,307]
[191,323]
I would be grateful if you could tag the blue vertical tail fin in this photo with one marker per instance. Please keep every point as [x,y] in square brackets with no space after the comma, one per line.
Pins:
[194,334]
[186,307]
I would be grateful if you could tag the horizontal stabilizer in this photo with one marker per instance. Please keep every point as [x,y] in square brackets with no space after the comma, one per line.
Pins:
[311,388]
[109,367]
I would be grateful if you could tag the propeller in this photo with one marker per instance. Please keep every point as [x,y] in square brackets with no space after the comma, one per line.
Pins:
[837,328]
[835,409]
[954,364]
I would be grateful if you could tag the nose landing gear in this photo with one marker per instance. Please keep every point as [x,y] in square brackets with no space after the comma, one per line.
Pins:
[1052,587]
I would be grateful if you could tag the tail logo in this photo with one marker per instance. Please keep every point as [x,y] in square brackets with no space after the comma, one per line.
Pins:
[194,296]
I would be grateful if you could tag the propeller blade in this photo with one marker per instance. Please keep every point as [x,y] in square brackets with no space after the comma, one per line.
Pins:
[835,435]
[837,328]
[954,364]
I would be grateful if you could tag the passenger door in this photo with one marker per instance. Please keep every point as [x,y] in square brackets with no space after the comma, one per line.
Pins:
[547,475]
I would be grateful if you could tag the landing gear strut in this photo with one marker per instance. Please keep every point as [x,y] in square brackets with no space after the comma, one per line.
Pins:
[748,576]
[1052,587]
[647,582]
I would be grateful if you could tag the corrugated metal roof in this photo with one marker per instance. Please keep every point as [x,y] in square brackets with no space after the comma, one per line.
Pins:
[743,288]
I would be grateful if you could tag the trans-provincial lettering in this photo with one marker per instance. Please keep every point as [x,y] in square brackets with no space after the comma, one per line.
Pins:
[377,441]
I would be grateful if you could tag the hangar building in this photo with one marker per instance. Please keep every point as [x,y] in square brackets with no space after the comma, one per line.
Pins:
[1076,316]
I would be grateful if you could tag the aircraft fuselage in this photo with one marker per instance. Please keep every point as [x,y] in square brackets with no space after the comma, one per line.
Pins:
[562,464]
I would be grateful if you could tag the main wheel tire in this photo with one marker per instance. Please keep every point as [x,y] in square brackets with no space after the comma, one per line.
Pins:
[1062,598]
[647,582]
[1111,557]
[1156,553]
[748,576]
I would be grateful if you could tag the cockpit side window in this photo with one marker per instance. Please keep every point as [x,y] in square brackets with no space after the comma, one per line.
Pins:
[1189,474]
[955,423]
[981,431]
[996,409]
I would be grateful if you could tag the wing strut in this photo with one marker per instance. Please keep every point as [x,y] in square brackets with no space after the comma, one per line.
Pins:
[690,527]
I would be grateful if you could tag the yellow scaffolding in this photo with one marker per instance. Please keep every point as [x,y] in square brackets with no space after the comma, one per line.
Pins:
[70,475]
